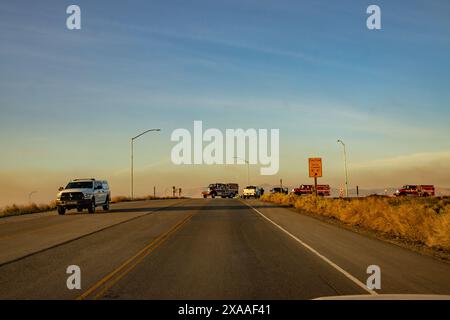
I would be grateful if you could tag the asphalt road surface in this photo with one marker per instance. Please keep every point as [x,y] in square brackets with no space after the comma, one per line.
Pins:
[202,249]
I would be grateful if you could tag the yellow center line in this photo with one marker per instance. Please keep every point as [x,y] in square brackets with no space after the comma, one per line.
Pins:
[131,263]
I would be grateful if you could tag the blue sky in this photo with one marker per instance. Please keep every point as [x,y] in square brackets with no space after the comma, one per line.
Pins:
[310,68]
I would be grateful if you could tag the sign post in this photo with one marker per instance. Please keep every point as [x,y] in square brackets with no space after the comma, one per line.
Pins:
[315,186]
[315,170]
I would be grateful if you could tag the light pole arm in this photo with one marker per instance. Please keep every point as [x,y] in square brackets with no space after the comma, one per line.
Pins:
[132,159]
[134,138]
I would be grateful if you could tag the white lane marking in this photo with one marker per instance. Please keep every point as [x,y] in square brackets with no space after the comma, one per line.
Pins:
[331,263]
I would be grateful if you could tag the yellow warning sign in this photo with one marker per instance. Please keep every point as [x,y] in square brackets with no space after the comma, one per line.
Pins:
[315,167]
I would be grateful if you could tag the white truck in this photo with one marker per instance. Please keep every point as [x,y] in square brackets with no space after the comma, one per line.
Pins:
[83,194]
[251,192]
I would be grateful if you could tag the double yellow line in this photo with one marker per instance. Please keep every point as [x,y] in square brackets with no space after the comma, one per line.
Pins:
[103,285]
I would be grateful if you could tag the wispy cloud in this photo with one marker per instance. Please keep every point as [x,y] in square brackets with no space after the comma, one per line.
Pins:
[409,160]
[210,38]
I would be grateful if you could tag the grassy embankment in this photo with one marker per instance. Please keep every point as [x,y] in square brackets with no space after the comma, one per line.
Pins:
[423,221]
[16,210]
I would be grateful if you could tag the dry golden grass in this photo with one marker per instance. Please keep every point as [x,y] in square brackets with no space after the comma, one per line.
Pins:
[421,220]
[15,210]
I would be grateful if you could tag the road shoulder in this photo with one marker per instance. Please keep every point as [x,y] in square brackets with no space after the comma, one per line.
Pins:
[403,270]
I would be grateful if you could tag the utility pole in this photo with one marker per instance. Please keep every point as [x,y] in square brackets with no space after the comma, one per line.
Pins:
[248,169]
[345,167]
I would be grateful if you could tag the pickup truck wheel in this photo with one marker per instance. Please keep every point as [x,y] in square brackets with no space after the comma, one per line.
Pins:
[106,205]
[61,211]
[213,196]
[91,208]
[205,196]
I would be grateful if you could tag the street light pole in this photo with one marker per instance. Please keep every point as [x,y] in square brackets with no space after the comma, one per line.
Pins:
[132,158]
[248,169]
[345,167]
[248,172]
[30,195]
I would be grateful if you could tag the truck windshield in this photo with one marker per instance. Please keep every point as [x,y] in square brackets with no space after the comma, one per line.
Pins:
[80,185]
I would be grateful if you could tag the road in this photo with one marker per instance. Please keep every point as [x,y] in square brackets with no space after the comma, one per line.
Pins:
[202,249]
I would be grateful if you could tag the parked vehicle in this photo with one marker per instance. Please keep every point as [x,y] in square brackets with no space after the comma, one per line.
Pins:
[413,190]
[83,194]
[306,189]
[251,192]
[223,190]
[279,190]
[233,189]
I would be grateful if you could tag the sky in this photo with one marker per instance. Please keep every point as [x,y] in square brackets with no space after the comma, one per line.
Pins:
[71,99]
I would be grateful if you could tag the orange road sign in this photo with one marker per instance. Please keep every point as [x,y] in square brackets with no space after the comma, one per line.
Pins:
[315,167]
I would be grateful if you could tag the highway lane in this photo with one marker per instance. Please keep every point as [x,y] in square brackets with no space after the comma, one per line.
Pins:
[42,275]
[226,251]
[211,249]
[27,234]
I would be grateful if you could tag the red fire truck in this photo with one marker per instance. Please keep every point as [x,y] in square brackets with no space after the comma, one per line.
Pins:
[414,190]
[305,189]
